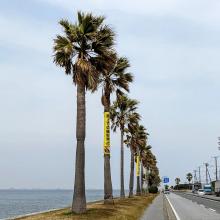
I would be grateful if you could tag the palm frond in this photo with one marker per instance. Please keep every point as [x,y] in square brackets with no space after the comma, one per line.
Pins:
[86,49]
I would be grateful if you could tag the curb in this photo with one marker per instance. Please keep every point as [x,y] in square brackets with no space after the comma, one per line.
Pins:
[46,211]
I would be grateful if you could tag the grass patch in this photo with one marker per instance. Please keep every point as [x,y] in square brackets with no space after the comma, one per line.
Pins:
[123,209]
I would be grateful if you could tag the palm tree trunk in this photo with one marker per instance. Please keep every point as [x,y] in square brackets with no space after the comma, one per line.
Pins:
[131,182]
[79,198]
[142,181]
[108,197]
[138,188]
[147,180]
[122,193]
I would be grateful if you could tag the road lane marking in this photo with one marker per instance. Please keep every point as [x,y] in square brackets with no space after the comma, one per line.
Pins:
[174,211]
[212,210]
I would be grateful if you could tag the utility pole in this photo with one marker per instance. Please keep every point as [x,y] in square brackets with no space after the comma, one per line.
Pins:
[209,176]
[219,143]
[216,167]
[195,176]
[206,173]
[199,175]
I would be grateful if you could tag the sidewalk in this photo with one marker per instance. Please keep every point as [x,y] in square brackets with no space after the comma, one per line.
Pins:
[156,210]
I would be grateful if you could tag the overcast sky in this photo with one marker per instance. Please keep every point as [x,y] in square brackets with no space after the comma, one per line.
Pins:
[174,50]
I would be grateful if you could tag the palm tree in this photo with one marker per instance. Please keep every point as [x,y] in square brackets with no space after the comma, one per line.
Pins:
[119,113]
[145,163]
[136,140]
[81,51]
[177,180]
[189,177]
[154,178]
[131,142]
[142,178]
[151,164]
[141,138]
[144,148]
[148,162]
[114,80]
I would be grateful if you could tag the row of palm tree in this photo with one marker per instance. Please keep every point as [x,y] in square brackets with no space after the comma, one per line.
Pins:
[177,181]
[189,177]
[86,52]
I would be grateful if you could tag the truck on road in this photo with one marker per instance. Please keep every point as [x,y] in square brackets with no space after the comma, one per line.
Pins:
[217,188]
[207,189]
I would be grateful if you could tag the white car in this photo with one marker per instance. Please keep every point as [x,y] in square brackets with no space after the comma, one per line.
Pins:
[166,191]
[201,192]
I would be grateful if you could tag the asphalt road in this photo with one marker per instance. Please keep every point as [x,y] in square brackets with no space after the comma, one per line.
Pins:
[210,204]
[189,207]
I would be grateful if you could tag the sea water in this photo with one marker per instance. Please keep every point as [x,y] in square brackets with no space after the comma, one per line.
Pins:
[20,202]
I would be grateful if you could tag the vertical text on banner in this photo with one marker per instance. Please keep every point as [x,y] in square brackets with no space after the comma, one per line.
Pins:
[137,165]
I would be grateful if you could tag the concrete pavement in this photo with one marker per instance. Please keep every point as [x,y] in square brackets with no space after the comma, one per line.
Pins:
[156,210]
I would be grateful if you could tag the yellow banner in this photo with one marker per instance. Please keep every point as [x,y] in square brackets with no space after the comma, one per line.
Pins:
[137,161]
[106,133]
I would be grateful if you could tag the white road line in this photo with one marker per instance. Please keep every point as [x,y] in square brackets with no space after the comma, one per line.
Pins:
[174,211]
[212,210]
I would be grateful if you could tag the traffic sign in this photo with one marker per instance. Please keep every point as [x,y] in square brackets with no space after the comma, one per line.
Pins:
[166,180]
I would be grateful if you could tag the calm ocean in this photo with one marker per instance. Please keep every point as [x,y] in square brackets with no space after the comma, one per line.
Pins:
[21,202]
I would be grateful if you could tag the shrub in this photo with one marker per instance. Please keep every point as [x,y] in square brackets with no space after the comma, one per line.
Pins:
[153,189]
